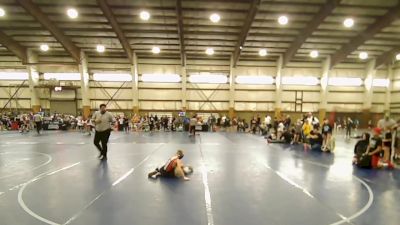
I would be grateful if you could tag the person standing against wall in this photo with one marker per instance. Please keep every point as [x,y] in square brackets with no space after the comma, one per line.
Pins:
[102,120]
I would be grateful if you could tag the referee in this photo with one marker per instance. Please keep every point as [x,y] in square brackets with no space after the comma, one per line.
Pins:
[102,120]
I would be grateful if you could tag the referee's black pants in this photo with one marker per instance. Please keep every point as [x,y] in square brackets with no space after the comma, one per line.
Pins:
[102,136]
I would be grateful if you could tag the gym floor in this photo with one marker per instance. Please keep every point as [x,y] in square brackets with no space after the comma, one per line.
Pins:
[238,179]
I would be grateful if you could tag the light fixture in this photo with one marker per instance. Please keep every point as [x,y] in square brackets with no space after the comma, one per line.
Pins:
[44,47]
[263,52]
[240,47]
[72,13]
[144,15]
[155,50]
[215,18]
[311,81]
[14,76]
[283,20]
[398,56]
[363,55]
[2,12]
[161,78]
[254,80]
[314,54]
[62,76]
[345,81]
[380,82]
[207,78]
[112,77]
[348,22]
[210,51]
[100,48]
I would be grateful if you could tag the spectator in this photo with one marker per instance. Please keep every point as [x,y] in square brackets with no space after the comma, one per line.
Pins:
[349,126]
[315,140]
[386,122]
[192,128]
[285,138]
[396,130]
[375,147]
[253,124]
[287,122]
[126,124]
[267,121]
[306,129]
[327,135]
[280,130]
[297,132]
[360,149]
[312,120]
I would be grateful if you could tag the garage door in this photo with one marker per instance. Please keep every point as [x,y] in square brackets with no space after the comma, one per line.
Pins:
[66,107]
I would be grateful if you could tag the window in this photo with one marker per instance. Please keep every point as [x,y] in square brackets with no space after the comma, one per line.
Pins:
[208,78]
[14,76]
[380,82]
[312,81]
[161,78]
[254,80]
[345,81]
[112,77]
[62,76]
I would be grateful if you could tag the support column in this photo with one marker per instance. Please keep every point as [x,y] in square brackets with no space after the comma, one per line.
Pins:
[326,64]
[231,90]
[389,88]
[85,92]
[370,74]
[135,84]
[184,85]
[278,91]
[33,81]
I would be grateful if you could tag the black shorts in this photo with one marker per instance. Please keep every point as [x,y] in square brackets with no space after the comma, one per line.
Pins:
[387,144]
[166,173]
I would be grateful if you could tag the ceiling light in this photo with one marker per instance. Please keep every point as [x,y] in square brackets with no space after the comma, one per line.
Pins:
[210,51]
[398,56]
[155,50]
[262,52]
[283,20]
[348,22]
[44,47]
[72,13]
[144,15]
[100,48]
[314,54]
[2,12]
[363,55]
[215,18]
